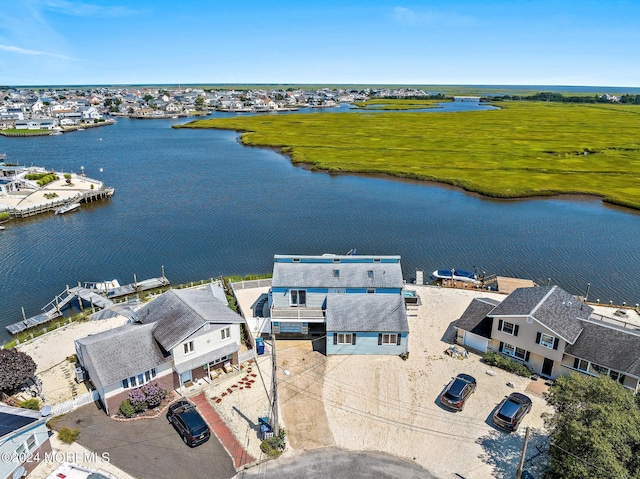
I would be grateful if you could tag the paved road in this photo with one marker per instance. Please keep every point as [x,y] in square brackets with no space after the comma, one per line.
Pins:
[336,464]
[148,448]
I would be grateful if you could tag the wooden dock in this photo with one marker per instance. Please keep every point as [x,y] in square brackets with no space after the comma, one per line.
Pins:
[84,197]
[86,295]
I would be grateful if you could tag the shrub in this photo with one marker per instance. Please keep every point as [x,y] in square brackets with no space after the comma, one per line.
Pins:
[154,394]
[4,215]
[67,176]
[67,435]
[274,446]
[507,364]
[138,400]
[33,404]
[126,408]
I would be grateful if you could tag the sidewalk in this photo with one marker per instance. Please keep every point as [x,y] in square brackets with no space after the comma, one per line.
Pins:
[220,429]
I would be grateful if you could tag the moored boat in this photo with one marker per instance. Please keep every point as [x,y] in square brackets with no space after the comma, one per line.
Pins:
[456,275]
[67,208]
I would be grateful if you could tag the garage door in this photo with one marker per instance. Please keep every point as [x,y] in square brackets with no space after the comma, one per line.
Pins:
[476,342]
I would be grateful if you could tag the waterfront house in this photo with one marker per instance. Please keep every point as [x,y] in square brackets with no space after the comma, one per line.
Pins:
[356,302]
[37,124]
[178,338]
[552,333]
[24,440]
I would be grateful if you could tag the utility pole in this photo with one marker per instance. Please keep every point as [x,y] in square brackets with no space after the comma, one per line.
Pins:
[524,452]
[274,382]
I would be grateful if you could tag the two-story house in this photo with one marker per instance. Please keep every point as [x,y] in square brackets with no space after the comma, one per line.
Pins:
[179,337]
[356,302]
[553,333]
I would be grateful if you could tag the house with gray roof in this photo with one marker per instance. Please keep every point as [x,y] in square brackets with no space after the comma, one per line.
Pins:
[355,301]
[24,440]
[179,337]
[553,333]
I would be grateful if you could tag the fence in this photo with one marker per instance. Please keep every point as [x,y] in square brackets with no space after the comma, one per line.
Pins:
[252,283]
[75,403]
[245,356]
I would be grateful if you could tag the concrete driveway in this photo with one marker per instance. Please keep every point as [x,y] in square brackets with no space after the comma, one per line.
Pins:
[148,448]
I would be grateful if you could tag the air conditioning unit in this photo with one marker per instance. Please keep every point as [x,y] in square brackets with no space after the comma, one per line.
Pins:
[80,374]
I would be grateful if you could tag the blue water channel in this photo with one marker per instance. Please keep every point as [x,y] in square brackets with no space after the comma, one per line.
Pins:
[202,205]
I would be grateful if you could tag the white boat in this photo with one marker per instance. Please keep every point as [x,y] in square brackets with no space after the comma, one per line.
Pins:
[76,471]
[456,275]
[66,208]
[2,227]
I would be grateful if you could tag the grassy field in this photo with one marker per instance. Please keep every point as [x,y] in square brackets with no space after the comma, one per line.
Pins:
[524,149]
[384,104]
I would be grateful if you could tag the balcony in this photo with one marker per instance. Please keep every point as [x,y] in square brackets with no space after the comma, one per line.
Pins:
[307,315]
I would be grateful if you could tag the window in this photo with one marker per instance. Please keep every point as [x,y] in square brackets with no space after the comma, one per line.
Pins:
[20,450]
[371,290]
[370,273]
[31,442]
[514,351]
[188,347]
[598,370]
[218,361]
[139,379]
[547,340]
[388,338]
[344,338]
[336,273]
[581,365]
[225,333]
[298,297]
[508,328]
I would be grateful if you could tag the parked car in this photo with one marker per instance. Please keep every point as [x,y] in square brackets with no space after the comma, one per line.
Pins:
[511,411]
[188,422]
[457,391]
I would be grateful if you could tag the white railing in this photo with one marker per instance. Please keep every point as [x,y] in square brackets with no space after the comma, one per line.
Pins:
[252,283]
[245,356]
[73,404]
[299,314]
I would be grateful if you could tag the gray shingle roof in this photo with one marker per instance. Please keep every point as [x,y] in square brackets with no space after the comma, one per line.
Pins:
[609,346]
[122,352]
[551,306]
[352,275]
[366,312]
[179,313]
[475,320]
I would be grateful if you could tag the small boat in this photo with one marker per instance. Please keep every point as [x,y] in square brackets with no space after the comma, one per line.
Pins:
[2,227]
[66,208]
[456,275]
[80,129]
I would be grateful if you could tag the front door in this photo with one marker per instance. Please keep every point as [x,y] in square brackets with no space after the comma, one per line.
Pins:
[547,367]
[185,376]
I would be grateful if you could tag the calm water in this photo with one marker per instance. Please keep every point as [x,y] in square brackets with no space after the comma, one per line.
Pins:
[201,205]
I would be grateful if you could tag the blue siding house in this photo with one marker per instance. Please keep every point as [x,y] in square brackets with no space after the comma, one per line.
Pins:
[356,301]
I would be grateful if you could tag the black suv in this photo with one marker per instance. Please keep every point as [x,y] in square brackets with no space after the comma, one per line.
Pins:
[511,411]
[458,391]
[188,422]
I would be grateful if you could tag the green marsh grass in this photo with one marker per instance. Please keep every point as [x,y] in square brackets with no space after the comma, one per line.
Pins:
[524,149]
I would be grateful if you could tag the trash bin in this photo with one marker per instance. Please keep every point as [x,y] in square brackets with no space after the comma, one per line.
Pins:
[260,346]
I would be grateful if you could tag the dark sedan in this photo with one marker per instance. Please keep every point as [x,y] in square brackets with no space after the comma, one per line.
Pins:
[511,411]
[457,392]
[188,422]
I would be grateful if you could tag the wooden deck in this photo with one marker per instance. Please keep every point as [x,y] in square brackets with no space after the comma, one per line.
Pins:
[86,295]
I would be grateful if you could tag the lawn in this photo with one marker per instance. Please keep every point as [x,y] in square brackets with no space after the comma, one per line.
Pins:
[524,149]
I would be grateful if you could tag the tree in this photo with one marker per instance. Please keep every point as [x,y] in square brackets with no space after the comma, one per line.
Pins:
[15,368]
[595,430]
[199,103]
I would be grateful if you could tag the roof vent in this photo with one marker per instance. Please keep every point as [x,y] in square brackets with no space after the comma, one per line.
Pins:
[567,304]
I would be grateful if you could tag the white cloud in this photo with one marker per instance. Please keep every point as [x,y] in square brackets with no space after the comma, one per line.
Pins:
[80,9]
[407,16]
[25,51]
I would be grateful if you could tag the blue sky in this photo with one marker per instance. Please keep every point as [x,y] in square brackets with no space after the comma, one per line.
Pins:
[524,42]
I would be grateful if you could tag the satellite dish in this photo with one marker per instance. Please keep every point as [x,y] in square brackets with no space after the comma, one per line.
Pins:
[18,473]
[45,411]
